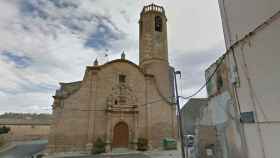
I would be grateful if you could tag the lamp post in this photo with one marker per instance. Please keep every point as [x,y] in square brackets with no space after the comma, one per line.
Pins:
[179,115]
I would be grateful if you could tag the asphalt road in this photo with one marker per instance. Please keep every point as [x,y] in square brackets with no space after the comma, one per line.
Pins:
[24,149]
[27,149]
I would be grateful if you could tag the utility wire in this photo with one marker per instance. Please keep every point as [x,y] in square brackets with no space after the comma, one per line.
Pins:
[105,105]
[244,38]
[270,20]
[159,100]
[252,91]
[207,81]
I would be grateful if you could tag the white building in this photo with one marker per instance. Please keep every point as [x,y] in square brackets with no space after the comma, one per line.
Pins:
[246,85]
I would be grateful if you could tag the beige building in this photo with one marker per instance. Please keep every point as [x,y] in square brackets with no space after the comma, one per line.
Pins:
[120,101]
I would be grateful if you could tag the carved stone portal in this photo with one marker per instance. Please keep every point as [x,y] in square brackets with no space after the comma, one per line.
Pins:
[122,118]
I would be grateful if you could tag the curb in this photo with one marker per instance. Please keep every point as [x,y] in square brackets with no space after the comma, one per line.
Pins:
[64,155]
[7,147]
[125,153]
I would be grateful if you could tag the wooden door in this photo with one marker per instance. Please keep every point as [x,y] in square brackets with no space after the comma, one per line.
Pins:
[120,136]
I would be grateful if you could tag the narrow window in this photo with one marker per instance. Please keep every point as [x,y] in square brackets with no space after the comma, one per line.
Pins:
[158,23]
[220,82]
[122,78]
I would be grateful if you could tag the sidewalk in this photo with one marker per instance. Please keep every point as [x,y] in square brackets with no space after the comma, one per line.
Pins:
[151,154]
[159,153]
[163,154]
[67,154]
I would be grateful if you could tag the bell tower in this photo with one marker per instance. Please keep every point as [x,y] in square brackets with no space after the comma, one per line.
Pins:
[153,34]
[153,51]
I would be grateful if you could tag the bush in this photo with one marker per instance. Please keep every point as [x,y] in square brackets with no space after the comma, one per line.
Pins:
[142,144]
[99,146]
[4,130]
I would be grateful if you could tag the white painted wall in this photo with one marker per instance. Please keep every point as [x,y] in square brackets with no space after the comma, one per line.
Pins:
[261,54]
[242,16]
[262,58]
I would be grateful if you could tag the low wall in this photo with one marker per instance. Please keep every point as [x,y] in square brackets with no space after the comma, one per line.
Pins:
[4,139]
[28,132]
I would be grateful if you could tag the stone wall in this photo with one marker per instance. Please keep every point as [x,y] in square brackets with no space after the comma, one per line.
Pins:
[28,132]
[86,114]
[4,139]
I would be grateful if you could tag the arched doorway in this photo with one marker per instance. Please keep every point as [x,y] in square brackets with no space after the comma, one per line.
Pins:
[120,135]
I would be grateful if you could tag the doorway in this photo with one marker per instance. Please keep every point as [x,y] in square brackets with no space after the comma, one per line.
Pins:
[120,135]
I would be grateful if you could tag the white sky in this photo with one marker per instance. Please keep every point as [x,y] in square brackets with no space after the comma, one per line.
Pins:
[44,42]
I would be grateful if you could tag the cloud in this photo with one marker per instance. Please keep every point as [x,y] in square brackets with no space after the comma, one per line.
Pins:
[193,64]
[44,42]
[19,61]
[24,103]
[33,8]
[104,36]
[65,4]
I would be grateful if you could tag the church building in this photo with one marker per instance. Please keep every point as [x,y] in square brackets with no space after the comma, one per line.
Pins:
[120,101]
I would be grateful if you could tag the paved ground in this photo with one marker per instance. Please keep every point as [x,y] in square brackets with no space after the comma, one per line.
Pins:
[24,149]
[127,154]
[114,156]
[27,149]
[149,154]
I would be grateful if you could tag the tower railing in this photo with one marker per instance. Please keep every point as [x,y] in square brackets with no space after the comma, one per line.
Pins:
[152,8]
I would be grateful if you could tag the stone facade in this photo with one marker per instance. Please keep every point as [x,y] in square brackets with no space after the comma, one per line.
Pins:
[120,101]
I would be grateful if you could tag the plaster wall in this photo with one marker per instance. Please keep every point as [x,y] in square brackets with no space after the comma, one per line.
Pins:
[239,17]
[258,69]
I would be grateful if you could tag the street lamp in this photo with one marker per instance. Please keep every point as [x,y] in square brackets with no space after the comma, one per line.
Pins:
[179,115]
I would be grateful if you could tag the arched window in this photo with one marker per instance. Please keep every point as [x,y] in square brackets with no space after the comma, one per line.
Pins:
[122,78]
[158,23]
